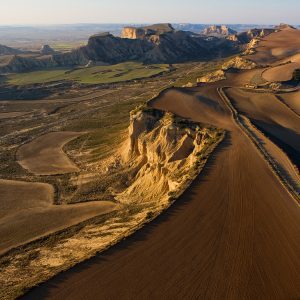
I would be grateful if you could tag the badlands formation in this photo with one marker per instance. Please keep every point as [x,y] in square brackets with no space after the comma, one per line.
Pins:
[213,169]
[235,232]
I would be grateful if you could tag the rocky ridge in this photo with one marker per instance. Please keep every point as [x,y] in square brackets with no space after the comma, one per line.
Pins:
[239,63]
[158,43]
[46,50]
[163,152]
[219,30]
[212,77]
[5,50]
[164,46]
[247,36]
[146,31]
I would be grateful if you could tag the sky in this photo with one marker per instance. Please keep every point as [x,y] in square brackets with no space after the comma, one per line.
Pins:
[149,11]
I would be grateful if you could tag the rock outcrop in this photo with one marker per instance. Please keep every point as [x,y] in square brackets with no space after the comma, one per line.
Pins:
[4,50]
[247,36]
[218,30]
[147,31]
[165,150]
[212,77]
[168,47]
[47,50]
[158,44]
[239,63]
[250,48]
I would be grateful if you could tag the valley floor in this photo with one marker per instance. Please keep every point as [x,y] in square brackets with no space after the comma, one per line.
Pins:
[233,234]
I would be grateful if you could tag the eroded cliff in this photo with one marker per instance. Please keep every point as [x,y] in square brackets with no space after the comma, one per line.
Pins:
[163,154]
[218,30]
[146,31]
[239,63]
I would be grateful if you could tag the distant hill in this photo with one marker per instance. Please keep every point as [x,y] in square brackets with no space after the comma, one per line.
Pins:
[46,50]
[218,30]
[284,26]
[247,36]
[198,28]
[159,43]
[4,50]
[143,32]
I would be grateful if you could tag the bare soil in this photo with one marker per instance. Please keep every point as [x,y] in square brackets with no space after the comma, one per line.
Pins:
[292,100]
[44,155]
[8,115]
[277,46]
[234,234]
[270,115]
[281,73]
[27,212]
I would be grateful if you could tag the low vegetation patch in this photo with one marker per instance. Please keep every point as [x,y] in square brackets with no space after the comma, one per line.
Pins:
[90,75]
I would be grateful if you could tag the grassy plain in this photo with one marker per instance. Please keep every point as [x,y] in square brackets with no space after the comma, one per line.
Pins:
[90,75]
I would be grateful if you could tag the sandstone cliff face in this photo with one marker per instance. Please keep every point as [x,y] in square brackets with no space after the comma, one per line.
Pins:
[218,30]
[133,33]
[250,48]
[165,151]
[239,63]
[147,31]
[212,77]
[232,37]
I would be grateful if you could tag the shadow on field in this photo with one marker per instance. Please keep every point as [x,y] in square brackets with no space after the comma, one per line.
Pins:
[43,290]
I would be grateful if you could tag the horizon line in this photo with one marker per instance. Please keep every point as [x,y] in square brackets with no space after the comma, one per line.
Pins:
[140,23]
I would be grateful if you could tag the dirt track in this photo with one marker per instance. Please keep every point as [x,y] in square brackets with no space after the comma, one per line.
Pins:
[234,234]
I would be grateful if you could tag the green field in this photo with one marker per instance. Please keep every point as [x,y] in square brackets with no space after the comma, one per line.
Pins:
[67,46]
[91,75]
